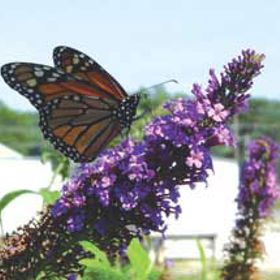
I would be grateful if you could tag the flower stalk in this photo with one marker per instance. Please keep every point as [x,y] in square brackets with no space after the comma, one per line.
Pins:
[258,192]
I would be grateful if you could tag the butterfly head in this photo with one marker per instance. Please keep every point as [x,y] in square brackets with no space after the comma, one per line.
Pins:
[126,111]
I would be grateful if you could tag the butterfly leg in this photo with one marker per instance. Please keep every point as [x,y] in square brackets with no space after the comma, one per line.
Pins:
[125,132]
[149,110]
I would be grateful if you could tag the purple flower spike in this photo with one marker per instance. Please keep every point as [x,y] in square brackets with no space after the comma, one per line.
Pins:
[134,184]
[235,81]
[258,192]
[259,177]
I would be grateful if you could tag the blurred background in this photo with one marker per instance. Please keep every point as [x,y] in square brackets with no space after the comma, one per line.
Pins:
[142,43]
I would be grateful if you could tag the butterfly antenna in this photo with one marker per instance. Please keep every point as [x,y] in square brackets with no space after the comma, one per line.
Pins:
[143,94]
[160,84]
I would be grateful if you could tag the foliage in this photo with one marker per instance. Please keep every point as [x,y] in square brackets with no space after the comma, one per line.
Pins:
[59,163]
[139,266]
[9,197]
[13,127]
[61,167]
[209,269]
[6,200]
[139,260]
[49,197]
[202,258]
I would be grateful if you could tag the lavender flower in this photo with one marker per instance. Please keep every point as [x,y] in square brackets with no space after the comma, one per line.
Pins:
[258,192]
[131,189]
[259,177]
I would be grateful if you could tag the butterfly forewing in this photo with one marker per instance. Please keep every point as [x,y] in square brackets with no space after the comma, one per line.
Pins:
[36,82]
[40,83]
[85,68]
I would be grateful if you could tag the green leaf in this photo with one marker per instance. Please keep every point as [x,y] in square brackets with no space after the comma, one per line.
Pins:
[59,163]
[89,263]
[9,197]
[155,273]
[202,258]
[99,256]
[139,259]
[103,273]
[49,197]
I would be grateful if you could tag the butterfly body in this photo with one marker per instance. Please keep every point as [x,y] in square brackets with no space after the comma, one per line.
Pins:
[81,106]
[126,112]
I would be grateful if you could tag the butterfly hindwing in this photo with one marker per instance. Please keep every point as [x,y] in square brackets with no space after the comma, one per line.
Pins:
[85,68]
[78,126]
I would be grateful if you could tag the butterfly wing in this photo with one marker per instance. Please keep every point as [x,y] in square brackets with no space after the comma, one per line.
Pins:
[28,78]
[75,116]
[79,126]
[41,83]
[85,68]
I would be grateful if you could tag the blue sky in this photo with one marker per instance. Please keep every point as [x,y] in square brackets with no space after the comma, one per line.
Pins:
[144,42]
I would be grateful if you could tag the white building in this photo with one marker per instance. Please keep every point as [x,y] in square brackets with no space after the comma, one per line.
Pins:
[210,212]
[207,211]
[18,172]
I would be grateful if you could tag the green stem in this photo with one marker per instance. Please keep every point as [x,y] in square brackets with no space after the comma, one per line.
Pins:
[56,172]
[2,227]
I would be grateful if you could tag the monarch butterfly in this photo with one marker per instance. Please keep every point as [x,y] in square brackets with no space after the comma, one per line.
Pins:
[81,106]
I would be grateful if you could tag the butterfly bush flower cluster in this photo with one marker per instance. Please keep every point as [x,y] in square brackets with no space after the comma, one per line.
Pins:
[135,184]
[258,192]
[131,189]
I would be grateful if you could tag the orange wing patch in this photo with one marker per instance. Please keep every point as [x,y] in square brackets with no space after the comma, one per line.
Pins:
[61,131]
[73,134]
[88,137]
[49,89]
[106,84]
[108,134]
[86,90]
